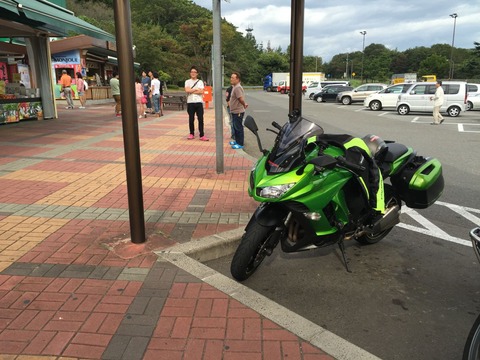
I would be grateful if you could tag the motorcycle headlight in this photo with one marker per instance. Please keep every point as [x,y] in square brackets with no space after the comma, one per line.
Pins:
[274,192]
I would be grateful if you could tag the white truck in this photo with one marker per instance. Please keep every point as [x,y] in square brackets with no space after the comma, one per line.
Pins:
[307,78]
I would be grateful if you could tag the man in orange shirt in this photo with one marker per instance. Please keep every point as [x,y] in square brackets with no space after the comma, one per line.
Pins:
[66,82]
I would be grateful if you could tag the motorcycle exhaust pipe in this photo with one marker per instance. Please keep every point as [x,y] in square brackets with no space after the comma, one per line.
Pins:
[388,220]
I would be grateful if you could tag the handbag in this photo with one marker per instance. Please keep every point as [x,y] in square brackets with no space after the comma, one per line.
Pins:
[144,99]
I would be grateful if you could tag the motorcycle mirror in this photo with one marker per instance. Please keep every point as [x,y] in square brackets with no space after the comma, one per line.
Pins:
[250,124]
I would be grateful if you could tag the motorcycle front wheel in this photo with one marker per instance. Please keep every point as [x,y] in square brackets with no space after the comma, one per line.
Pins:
[256,244]
[472,346]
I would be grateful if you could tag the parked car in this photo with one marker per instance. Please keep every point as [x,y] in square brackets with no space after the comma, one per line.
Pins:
[473,102]
[315,86]
[359,93]
[473,89]
[330,92]
[417,98]
[386,98]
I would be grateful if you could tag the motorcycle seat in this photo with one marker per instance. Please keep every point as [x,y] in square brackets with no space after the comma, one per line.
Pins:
[394,151]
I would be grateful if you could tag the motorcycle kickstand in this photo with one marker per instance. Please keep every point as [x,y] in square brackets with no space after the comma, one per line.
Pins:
[341,245]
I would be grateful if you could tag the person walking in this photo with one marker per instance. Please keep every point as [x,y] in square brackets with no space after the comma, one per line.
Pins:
[146,82]
[140,98]
[115,88]
[156,94]
[194,89]
[438,100]
[237,109]
[81,90]
[66,82]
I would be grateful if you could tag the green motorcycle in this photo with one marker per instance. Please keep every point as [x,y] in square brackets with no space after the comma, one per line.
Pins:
[315,192]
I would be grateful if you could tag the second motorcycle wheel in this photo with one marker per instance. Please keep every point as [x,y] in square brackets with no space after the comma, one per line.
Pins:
[472,346]
[255,245]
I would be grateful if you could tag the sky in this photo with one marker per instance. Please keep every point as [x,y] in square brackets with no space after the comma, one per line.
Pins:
[333,26]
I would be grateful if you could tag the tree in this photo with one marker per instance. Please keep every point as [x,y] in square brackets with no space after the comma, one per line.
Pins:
[272,62]
[378,59]
[435,64]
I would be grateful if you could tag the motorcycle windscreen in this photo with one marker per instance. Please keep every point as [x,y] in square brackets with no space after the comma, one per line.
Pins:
[288,151]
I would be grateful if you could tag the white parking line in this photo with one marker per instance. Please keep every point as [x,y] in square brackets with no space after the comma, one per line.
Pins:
[428,228]
[461,128]
[384,113]
[415,119]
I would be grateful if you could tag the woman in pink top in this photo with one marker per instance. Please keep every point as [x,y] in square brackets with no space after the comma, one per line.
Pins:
[81,90]
[139,95]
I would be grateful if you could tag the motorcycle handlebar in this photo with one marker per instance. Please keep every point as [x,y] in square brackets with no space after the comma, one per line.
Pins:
[276,125]
[349,165]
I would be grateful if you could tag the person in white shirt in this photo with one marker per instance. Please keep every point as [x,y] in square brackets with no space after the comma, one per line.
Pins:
[155,86]
[438,100]
[194,89]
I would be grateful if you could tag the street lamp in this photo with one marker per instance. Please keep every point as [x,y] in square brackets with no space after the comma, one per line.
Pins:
[346,68]
[363,53]
[454,16]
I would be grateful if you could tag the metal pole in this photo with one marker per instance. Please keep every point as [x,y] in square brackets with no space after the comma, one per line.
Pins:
[363,53]
[217,83]
[454,16]
[123,32]
[296,59]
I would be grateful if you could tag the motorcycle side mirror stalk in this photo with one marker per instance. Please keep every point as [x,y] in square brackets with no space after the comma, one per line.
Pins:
[251,125]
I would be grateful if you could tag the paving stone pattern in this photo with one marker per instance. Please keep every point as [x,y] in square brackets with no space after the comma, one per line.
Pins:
[72,285]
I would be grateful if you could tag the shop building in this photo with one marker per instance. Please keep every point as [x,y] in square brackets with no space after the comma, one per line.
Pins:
[27,72]
[93,58]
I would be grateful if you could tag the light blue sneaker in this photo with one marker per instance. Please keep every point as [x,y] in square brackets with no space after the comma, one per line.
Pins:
[236,146]
[233,142]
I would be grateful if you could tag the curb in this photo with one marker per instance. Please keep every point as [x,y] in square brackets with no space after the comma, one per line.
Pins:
[209,247]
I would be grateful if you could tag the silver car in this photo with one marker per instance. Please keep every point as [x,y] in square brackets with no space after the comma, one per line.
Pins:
[387,98]
[359,93]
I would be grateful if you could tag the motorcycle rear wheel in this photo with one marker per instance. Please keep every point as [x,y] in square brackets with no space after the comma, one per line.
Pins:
[390,200]
[254,247]
[472,346]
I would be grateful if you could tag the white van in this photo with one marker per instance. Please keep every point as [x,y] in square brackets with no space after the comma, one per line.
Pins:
[473,89]
[316,87]
[417,98]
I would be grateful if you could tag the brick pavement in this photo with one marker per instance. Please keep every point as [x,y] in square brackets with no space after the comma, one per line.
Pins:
[71,284]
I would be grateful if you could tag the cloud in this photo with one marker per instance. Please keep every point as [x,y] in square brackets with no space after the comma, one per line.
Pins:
[333,27]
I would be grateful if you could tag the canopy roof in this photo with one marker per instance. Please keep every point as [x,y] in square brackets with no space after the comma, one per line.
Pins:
[23,18]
